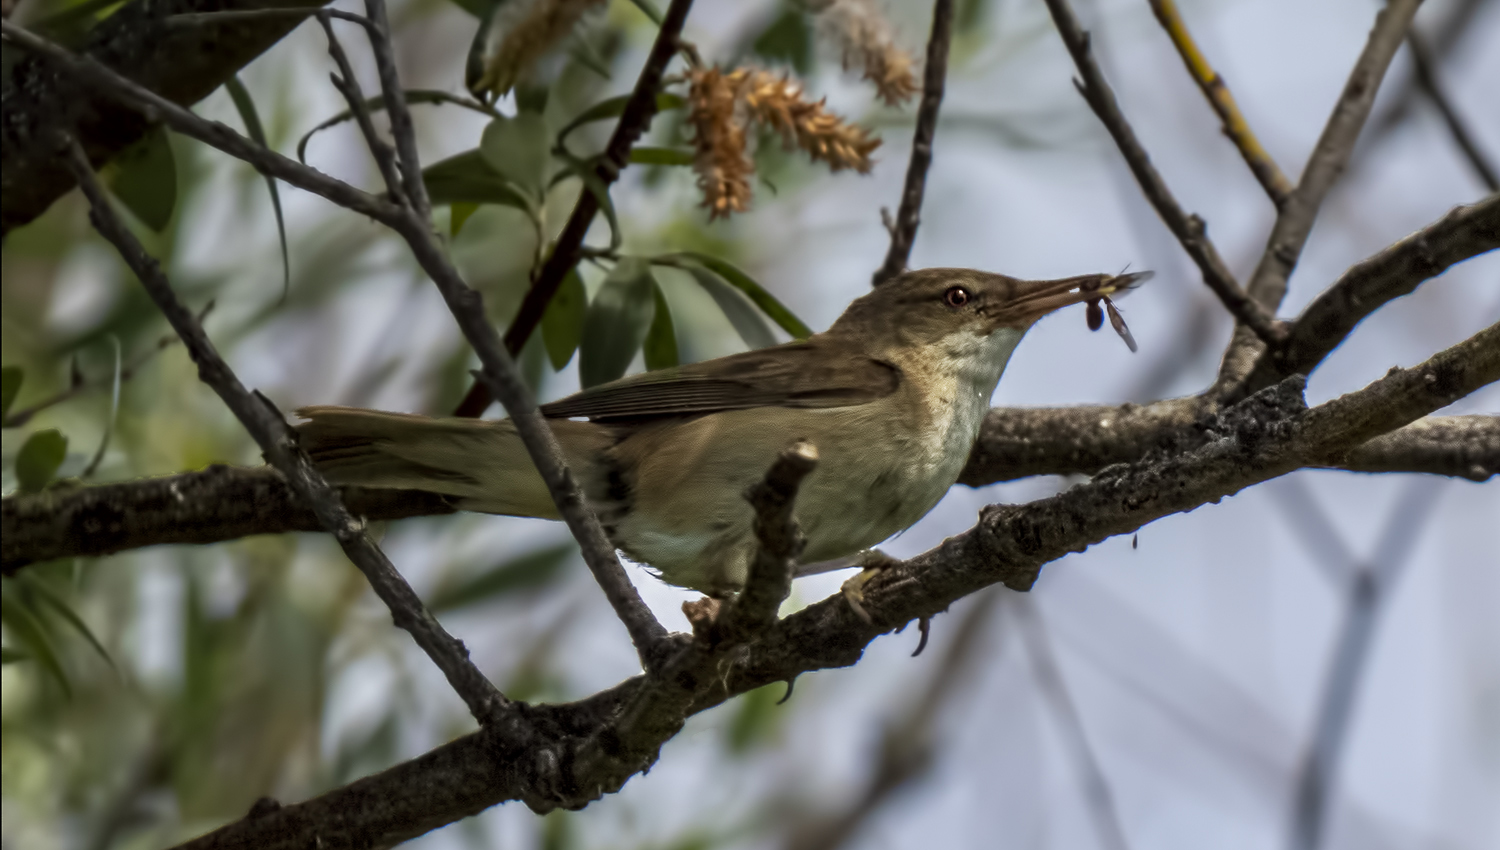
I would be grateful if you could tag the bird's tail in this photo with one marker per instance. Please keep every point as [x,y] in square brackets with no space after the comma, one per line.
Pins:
[481,465]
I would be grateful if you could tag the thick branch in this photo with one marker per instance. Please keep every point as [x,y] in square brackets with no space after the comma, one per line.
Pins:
[183,65]
[225,503]
[1294,223]
[279,445]
[904,231]
[1217,91]
[634,121]
[1189,229]
[102,80]
[580,751]
[1398,270]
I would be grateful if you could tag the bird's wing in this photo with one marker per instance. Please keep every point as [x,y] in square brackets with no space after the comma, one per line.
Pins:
[797,374]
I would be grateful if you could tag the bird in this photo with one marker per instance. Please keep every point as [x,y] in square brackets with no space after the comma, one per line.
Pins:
[891,397]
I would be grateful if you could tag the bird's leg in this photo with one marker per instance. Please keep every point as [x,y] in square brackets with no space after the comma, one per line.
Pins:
[874,562]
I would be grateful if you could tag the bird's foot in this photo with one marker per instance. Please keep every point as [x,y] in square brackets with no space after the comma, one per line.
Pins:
[874,563]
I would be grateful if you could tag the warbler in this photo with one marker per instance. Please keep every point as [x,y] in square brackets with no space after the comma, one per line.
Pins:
[891,396]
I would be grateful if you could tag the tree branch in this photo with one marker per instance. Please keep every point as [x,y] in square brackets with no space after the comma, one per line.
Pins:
[634,121]
[1217,91]
[1329,156]
[184,65]
[154,107]
[1189,229]
[575,753]
[1426,77]
[1367,286]
[224,503]
[770,579]
[499,369]
[934,72]
[276,440]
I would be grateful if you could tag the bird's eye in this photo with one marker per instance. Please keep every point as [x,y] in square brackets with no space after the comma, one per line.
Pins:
[957,297]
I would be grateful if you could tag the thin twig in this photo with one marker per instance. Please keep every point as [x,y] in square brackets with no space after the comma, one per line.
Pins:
[770,578]
[1330,155]
[1189,229]
[201,19]
[348,86]
[1098,798]
[395,107]
[80,385]
[634,120]
[1367,589]
[1426,76]
[278,443]
[934,72]
[1397,270]
[1217,91]
[212,133]
[505,382]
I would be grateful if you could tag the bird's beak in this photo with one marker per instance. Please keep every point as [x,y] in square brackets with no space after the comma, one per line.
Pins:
[1030,300]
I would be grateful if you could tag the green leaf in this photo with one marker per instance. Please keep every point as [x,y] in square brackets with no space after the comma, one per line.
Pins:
[661,156]
[529,572]
[617,322]
[747,321]
[789,40]
[37,589]
[516,148]
[11,656]
[562,323]
[11,378]
[377,104]
[754,718]
[479,45]
[775,310]
[146,182]
[31,633]
[459,214]
[615,107]
[592,183]
[246,107]
[39,458]
[467,178]
[586,55]
[649,9]
[660,347]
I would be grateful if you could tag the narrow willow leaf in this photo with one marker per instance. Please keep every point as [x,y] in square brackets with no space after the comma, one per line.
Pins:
[775,310]
[459,214]
[584,171]
[617,322]
[516,148]
[562,323]
[11,656]
[38,591]
[11,378]
[39,458]
[660,347]
[467,178]
[661,156]
[614,107]
[650,10]
[246,107]
[146,182]
[528,572]
[31,633]
[377,104]
[747,321]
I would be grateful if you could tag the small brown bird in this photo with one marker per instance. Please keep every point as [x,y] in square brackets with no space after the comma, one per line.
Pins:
[891,396]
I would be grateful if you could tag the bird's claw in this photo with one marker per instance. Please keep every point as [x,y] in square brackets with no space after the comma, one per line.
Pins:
[874,563]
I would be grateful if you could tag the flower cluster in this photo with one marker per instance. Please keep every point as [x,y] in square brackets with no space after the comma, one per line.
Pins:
[722,107]
[868,41]
[532,29]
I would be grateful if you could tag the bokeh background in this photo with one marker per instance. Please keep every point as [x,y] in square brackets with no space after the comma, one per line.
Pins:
[1157,693]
